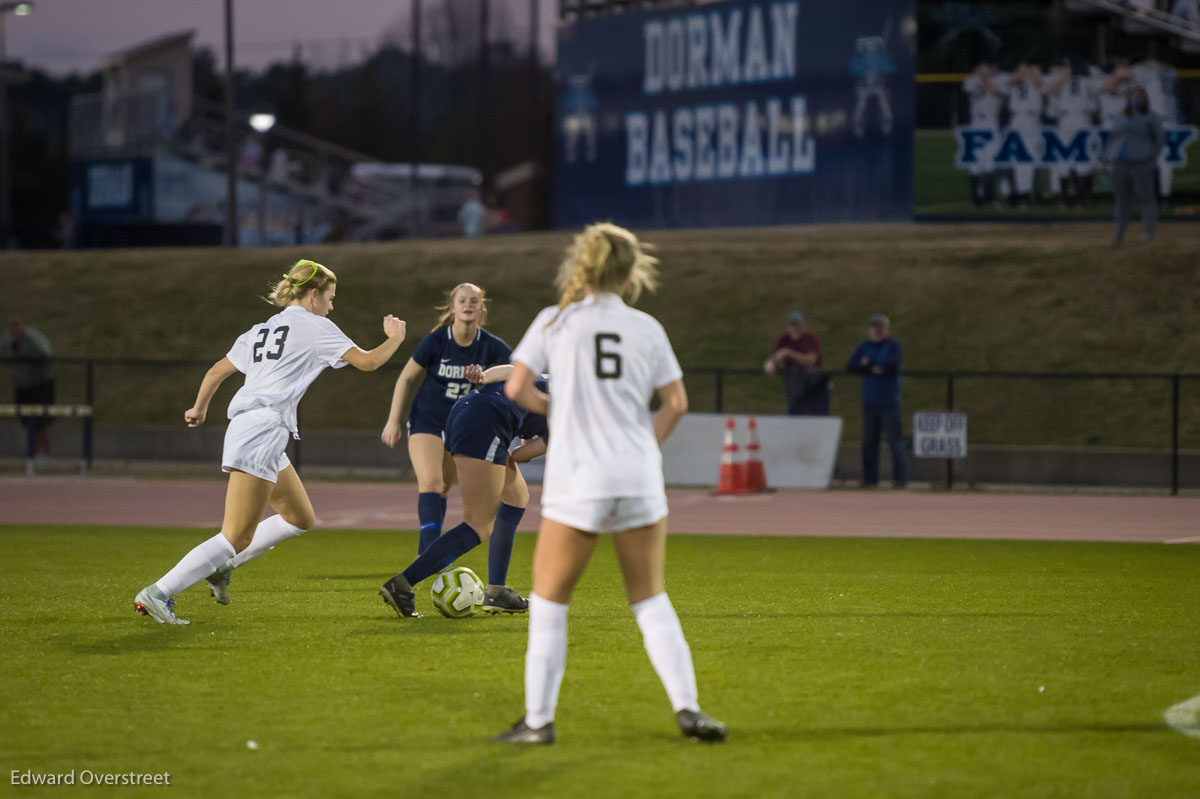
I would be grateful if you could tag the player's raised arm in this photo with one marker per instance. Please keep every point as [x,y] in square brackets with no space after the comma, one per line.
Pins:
[370,360]
[216,375]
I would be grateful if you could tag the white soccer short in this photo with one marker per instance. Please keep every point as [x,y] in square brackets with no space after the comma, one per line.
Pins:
[254,443]
[610,515]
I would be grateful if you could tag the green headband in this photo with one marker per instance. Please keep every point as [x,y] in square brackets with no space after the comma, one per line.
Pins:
[315,267]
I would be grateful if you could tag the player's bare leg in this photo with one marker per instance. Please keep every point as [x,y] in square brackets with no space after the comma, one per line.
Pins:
[481,484]
[641,553]
[245,499]
[428,453]
[561,555]
[295,516]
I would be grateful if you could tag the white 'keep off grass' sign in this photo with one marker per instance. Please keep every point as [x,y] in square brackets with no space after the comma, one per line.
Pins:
[939,435]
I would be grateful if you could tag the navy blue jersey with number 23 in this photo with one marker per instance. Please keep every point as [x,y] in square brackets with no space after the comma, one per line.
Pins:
[444,361]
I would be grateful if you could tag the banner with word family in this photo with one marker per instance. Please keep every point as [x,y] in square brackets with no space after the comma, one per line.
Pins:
[1018,100]
[736,113]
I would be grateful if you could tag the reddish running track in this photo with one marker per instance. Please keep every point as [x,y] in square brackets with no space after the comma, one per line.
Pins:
[891,514]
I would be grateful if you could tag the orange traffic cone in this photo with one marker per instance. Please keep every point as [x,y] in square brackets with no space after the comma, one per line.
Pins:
[756,473]
[733,470]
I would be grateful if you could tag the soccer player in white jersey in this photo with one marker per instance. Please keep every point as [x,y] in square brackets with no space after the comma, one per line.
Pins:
[1025,117]
[280,358]
[603,468]
[985,89]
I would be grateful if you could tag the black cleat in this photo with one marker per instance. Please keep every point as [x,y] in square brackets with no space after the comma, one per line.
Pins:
[399,594]
[507,601]
[522,733]
[699,726]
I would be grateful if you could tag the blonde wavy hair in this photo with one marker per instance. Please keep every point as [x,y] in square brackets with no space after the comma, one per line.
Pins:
[303,277]
[605,257]
[446,315]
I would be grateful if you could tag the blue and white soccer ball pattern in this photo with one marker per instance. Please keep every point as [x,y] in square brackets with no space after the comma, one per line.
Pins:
[457,593]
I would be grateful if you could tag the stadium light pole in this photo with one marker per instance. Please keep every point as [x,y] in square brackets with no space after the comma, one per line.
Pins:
[262,124]
[481,133]
[415,120]
[231,166]
[19,10]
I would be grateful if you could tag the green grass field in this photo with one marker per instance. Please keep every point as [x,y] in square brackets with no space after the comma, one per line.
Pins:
[864,667]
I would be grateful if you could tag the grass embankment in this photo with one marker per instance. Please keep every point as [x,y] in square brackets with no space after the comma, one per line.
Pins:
[971,297]
[843,668]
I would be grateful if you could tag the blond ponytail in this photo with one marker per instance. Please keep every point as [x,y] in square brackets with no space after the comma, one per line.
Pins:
[605,257]
[303,277]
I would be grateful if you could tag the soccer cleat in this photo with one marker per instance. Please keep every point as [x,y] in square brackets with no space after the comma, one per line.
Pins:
[399,594]
[522,733]
[218,584]
[699,726]
[506,601]
[157,605]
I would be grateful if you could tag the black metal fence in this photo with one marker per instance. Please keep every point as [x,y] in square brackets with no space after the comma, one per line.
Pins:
[1098,410]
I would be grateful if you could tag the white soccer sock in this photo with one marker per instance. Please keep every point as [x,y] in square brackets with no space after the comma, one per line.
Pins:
[268,533]
[202,561]
[545,659]
[668,650]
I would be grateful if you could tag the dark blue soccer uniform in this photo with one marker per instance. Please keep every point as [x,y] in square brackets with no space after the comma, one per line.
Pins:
[444,361]
[483,423]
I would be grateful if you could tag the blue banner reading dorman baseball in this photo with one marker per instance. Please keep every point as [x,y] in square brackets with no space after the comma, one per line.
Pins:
[737,113]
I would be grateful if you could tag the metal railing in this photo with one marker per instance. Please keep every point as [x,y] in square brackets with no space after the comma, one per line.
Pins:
[952,379]
[1159,423]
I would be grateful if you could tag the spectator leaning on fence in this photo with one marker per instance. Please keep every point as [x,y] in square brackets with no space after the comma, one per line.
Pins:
[877,359]
[32,375]
[1133,148]
[798,355]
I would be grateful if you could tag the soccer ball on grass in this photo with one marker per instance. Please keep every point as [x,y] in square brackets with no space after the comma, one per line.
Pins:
[457,593]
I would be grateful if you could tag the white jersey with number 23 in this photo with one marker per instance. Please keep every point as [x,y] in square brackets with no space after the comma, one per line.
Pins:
[281,358]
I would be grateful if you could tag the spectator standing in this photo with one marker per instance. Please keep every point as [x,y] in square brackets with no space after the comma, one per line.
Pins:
[1132,152]
[473,215]
[32,376]
[877,359]
[798,355]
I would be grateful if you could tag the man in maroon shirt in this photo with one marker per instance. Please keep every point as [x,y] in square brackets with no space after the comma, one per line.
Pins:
[798,355]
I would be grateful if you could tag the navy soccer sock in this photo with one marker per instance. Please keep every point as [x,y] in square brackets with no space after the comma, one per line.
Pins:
[446,549]
[500,545]
[429,513]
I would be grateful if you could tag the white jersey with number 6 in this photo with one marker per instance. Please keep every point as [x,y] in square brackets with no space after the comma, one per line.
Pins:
[605,361]
[281,358]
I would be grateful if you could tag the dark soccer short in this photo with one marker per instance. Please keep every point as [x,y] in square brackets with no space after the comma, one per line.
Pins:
[41,394]
[419,422]
[477,430]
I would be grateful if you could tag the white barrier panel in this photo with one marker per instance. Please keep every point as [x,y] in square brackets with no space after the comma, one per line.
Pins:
[797,451]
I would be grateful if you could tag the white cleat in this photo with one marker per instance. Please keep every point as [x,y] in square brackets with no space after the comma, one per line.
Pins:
[218,584]
[157,605]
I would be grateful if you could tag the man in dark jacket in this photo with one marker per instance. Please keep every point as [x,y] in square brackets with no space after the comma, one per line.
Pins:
[1132,152]
[877,359]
